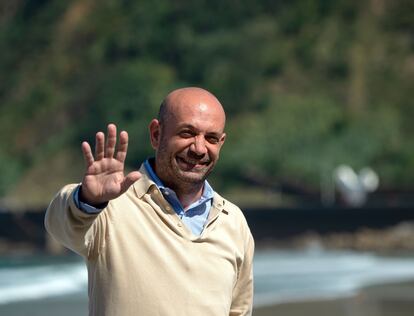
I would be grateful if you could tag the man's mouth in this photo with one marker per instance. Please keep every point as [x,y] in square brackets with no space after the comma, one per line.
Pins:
[189,164]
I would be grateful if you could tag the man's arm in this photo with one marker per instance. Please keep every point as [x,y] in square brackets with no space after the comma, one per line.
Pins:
[74,228]
[242,303]
[104,180]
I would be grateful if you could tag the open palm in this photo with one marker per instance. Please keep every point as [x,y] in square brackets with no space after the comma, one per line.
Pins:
[104,179]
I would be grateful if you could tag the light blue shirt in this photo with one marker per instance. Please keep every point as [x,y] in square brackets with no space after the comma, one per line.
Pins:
[196,215]
[194,218]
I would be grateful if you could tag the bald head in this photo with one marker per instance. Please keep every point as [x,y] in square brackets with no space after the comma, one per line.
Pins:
[189,99]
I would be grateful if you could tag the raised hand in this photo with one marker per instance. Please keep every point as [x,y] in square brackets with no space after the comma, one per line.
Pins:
[104,179]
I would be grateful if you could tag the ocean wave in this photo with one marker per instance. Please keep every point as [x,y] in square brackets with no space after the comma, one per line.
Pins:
[279,276]
[29,283]
[289,276]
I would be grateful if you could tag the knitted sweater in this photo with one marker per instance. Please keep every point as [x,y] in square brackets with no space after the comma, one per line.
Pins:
[143,261]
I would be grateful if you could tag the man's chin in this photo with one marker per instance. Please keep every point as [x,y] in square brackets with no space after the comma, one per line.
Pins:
[192,176]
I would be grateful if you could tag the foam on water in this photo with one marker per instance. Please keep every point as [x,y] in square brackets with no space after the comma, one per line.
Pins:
[280,276]
[28,283]
[287,276]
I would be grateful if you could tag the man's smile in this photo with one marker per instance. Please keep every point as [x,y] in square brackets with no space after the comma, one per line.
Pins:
[187,164]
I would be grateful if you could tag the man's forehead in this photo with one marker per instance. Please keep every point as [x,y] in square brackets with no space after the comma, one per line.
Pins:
[199,117]
[193,106]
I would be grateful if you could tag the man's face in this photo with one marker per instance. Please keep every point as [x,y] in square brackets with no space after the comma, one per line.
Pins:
[189,144]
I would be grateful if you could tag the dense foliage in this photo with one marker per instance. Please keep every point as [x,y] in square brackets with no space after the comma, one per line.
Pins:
[307,85]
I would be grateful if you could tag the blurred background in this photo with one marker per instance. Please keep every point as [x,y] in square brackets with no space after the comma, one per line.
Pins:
[319,100]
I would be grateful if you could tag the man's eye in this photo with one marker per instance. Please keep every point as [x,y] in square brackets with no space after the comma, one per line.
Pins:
[186,134]
[212,140]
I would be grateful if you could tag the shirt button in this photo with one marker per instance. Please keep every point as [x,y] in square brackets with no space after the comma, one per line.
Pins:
[168,208]
[179,224]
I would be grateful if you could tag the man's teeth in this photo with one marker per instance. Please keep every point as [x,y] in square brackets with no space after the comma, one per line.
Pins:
[193,162]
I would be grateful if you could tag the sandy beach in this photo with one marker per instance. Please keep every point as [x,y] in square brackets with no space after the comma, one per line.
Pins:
[57,306]
[396,299]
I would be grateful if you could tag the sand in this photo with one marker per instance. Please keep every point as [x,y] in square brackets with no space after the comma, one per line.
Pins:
[395,299]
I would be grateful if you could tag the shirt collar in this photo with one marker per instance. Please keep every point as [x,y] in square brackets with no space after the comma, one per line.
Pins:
[144,184]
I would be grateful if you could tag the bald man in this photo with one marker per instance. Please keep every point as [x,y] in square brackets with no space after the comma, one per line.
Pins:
[159,241]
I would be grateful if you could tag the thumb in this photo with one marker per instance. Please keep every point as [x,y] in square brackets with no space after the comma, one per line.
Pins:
[130,179]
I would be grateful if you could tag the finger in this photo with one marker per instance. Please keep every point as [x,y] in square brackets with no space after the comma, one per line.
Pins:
[130,179]
[87,154]
[122,146]
[110,141]
[99,146]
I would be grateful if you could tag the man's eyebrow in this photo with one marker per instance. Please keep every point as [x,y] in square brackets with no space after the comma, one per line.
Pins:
[192,127]
[186,125]
[217,134]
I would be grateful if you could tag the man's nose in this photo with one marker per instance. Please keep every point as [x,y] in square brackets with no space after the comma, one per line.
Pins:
[199,145]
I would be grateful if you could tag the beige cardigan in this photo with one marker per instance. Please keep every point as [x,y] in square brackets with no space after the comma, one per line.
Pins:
[143,261]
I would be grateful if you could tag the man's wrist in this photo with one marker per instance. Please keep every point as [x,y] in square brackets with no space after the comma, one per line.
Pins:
[84,201]
[85,206]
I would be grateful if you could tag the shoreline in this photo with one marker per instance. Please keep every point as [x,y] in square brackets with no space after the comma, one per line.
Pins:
[387,299]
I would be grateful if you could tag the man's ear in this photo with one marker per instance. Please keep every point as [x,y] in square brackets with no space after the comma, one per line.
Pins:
[155,133]
[222,139]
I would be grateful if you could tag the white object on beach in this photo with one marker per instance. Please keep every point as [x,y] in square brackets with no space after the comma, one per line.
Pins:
[355,187]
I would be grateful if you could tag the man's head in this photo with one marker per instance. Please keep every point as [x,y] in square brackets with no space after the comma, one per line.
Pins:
[187,136]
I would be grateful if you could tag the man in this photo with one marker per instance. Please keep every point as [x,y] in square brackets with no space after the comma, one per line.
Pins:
[159,241]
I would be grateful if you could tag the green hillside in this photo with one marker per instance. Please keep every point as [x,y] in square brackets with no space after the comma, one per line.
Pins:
[307,85]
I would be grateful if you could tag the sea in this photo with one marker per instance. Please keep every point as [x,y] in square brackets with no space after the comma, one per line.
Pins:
[30,283]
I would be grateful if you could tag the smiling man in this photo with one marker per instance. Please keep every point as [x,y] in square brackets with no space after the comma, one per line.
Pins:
[159,241]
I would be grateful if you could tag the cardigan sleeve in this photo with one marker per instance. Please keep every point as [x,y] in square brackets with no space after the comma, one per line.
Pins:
[242,302]
[77,230]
